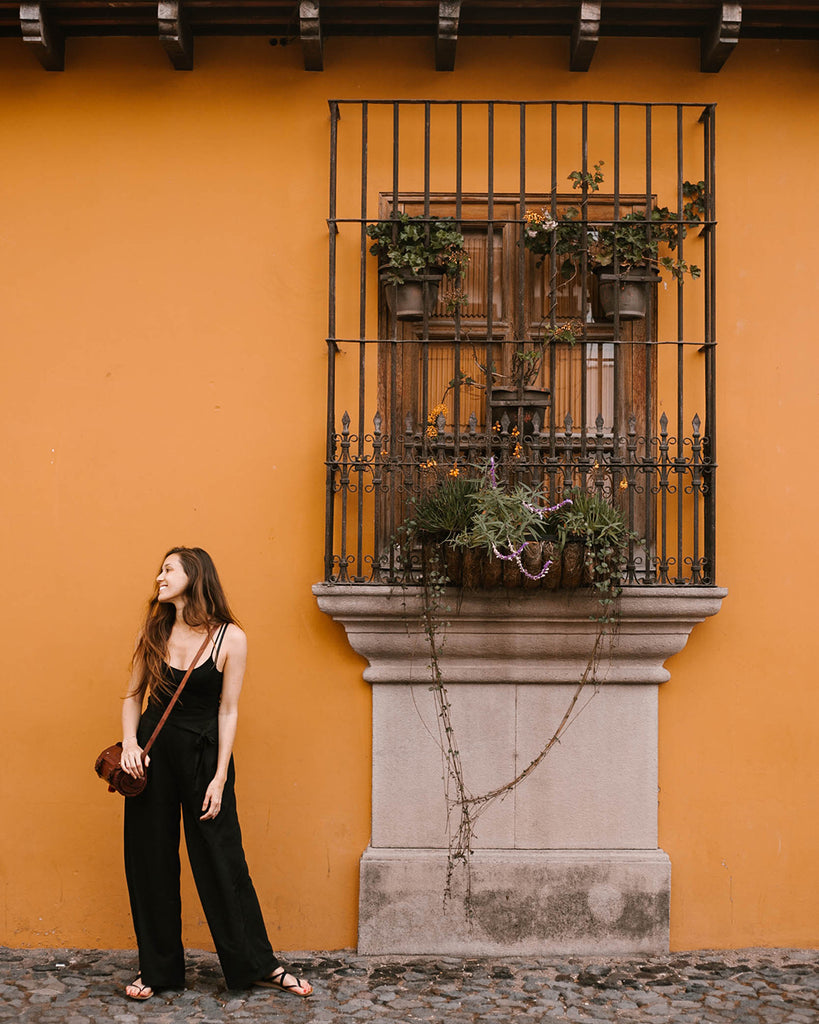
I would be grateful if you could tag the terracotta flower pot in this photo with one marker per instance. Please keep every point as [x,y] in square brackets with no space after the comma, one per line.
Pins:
[551,553]
[472,568]
[492,570]
[532,559]
[574,552]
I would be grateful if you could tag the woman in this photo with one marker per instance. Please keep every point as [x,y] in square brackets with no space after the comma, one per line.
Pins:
[191,767]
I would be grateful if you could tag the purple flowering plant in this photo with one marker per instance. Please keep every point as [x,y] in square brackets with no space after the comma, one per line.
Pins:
[504,520]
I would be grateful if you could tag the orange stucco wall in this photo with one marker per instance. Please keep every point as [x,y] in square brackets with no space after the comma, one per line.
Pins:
[163,260]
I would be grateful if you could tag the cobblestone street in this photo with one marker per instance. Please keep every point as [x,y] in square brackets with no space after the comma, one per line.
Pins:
[74,986]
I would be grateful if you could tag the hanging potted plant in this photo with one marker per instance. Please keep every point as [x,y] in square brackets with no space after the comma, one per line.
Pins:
[626,256]
[522,400]
[415,254]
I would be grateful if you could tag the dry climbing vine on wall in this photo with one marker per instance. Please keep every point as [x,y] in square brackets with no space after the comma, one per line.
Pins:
[460,803]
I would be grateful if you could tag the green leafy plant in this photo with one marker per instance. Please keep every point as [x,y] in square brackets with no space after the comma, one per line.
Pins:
[637,240]
[443,513]
[602,528]
[503,520]
[415,245]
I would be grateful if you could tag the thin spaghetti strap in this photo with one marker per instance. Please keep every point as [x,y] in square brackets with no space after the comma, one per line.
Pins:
[217,643]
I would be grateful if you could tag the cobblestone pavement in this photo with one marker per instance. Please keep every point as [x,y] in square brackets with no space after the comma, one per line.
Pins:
[76,986]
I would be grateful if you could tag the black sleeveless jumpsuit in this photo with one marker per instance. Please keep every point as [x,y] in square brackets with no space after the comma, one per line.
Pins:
[183,763]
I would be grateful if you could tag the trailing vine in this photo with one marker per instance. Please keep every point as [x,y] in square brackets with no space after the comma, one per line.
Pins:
[605,534]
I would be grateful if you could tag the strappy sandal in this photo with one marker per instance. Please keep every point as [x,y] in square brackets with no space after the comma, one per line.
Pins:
[276,980]
[143,991]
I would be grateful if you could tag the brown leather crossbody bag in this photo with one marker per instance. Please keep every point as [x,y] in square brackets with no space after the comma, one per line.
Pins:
[109,763]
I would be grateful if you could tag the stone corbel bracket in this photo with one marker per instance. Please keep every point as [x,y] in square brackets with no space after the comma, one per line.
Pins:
[516,637]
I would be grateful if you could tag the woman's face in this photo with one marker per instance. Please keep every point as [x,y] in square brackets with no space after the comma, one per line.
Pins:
[172,579]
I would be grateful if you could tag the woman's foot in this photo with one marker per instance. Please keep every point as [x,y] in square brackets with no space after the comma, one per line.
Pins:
[136,990]
[288,982]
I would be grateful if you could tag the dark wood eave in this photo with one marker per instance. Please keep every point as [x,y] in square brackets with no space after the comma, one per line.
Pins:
[719,26]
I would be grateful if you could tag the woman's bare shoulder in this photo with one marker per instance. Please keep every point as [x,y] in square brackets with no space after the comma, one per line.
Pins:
[235,637]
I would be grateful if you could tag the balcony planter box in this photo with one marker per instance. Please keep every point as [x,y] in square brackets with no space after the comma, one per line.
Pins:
[415,296]
[626,292]
[477,569]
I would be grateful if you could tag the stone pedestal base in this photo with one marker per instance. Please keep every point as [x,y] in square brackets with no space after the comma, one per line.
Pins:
[524,903]
[569,861]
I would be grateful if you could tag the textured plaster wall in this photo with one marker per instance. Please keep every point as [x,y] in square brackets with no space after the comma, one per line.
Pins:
[162,286]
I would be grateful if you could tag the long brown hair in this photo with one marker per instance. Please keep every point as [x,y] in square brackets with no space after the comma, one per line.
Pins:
[205,606]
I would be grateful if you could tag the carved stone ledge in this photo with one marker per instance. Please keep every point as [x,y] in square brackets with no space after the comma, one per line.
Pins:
[516,636]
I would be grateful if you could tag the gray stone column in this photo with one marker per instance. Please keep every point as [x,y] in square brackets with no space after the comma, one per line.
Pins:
[568,861]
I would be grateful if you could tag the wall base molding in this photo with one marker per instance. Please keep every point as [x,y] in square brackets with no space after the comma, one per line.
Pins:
[524,903]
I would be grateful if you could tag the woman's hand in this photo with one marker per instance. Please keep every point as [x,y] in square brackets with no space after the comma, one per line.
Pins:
[131,760]
[212,803]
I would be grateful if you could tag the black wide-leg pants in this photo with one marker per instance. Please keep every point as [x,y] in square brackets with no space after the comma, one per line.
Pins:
[183,762]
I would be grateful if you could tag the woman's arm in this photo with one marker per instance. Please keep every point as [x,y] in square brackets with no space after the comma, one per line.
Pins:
[131,760]
[235,645]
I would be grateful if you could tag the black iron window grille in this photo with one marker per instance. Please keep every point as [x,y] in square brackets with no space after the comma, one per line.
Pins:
[577,347]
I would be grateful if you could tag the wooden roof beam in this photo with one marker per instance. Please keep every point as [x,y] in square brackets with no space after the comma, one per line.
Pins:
[446,36]
[720,39]
[312,44]
[175,34]
[43,36]
[585,35]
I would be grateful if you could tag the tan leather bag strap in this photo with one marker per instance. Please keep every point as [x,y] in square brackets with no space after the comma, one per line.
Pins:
[175,697]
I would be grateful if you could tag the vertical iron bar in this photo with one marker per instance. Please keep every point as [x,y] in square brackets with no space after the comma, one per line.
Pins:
[618,349]
[663,488]
[425,284]
[519,328]
[696,487]
[520,291]
[553,271]
[584,345]
[456,399]
[329,504]
[362,348]
[394,446]
[490,263]
[344,490]
[680,358]
[710,437]
[377,466]
[649,365]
